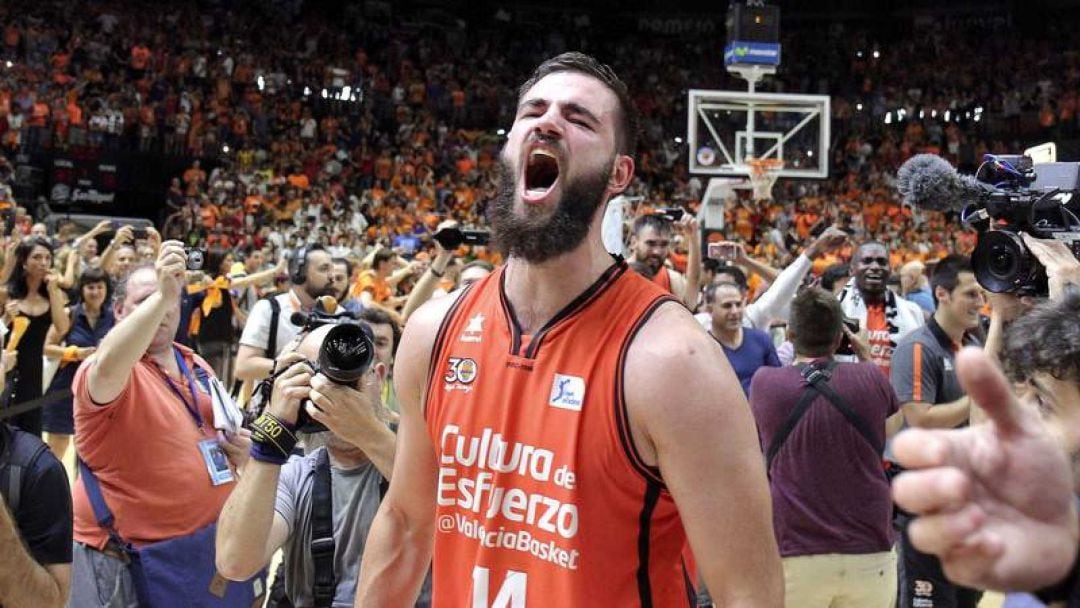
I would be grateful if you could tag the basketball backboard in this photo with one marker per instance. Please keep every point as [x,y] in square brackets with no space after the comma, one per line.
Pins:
[725,128]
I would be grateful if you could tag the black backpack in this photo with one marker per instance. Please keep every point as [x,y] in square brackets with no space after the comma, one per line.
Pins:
[20,452]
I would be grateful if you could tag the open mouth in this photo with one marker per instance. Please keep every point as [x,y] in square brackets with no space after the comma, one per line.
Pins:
[541,173]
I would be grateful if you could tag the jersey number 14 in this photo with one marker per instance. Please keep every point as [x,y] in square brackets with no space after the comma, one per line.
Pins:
[510,595]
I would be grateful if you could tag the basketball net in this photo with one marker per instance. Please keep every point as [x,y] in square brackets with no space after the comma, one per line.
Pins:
[763,175]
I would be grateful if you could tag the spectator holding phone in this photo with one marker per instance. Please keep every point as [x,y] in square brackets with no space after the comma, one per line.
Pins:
[774,304]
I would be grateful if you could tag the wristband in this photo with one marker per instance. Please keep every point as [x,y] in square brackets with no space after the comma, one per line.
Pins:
[270,455]
[71,353]
[273,436]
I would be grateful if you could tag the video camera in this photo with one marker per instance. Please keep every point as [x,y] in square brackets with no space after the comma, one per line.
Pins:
[344,357]
[1009,194]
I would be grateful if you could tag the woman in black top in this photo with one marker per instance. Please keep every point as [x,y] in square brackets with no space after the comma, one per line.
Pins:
[34,293]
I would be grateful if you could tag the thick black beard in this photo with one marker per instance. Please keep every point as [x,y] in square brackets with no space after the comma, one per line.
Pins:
[539,239]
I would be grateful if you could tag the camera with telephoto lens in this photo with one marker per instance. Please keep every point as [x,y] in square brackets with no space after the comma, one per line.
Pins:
[345,355]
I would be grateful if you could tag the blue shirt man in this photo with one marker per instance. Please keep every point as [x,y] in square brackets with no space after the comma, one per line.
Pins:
[747,349]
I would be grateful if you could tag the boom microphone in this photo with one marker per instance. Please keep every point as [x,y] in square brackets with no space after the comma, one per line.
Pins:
[930,182]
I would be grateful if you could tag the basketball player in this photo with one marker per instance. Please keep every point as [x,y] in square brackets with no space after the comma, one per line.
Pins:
[564,420]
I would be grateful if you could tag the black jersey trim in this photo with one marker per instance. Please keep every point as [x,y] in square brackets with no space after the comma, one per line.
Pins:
[652,496]
[578,304]
[511,316]
[440,342]
[622,416]
[586,297]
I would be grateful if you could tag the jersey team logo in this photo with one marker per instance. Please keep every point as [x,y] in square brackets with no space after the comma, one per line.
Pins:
[474,330]
[460,374]
[567,392]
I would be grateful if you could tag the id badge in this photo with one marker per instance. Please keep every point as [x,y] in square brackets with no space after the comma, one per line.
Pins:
[217,463]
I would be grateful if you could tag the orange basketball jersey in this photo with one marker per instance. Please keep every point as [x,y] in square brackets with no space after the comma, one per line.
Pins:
[542,498]
[662,278]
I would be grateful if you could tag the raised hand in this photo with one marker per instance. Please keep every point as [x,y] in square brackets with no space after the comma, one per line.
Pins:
[996,500]
[171,269]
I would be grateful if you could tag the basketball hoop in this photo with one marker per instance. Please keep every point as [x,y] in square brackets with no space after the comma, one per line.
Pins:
[763,175]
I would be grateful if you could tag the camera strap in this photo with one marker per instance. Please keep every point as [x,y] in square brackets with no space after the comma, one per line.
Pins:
[817,384]
[322,533]
[275,316]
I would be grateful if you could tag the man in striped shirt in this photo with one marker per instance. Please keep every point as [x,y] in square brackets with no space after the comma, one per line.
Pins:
[924,375]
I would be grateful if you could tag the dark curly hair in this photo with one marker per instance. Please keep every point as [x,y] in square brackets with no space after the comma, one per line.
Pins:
[17,287]
[1046,339]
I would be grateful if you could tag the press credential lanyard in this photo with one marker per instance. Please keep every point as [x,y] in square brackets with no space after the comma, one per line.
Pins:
[192,408]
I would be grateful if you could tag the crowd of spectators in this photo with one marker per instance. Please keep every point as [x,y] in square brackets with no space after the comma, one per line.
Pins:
[355,140]
[370,134]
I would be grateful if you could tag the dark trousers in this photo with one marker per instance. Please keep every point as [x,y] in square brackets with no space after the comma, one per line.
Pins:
[923,583]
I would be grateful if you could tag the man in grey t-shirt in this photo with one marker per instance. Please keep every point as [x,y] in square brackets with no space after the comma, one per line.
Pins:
[271,507]
[355,499]
[924,376]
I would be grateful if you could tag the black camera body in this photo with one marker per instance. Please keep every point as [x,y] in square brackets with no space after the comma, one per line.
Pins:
[452,238]
[1019,196]
[196,258]
[344,357]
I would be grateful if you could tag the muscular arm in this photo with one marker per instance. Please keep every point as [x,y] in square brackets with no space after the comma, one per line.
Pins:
[682,395]
[942,416]
[68,280]
[693,267]
[53,350]
[400,275]
[122,348]
[250,530]
[400,542]
[24,583]
[257,278]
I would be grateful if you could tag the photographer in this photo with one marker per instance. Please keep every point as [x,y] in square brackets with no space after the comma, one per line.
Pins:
[269,326]
[277,503]
[823,424]
[145,431]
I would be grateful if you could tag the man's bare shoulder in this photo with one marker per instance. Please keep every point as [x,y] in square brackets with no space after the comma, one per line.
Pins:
[677,382]
[669,338]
